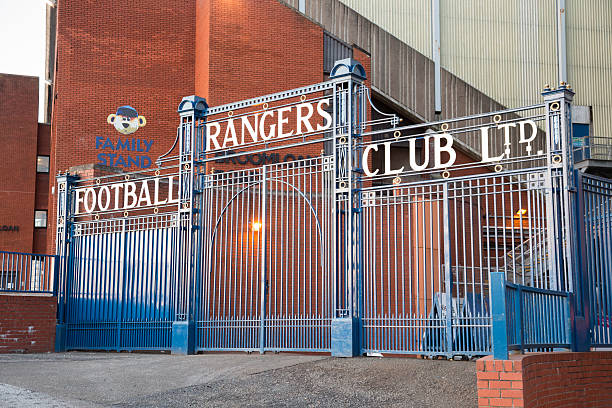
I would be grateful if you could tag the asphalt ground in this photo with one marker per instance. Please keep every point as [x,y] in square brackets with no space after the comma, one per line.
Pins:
[79,379]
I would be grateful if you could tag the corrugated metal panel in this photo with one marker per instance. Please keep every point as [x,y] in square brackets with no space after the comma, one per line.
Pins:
[508,49]
[589,58]
[334,50]
[410,21]
[399,72]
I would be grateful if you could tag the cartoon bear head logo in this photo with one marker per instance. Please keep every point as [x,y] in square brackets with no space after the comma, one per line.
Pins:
[126,120]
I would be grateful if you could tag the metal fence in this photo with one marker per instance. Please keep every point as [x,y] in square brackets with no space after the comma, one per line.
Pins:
[121,284]
[537,318]
[593,148]
[528,318]
[597,201]
[24,272]
[343,249]
[267,256]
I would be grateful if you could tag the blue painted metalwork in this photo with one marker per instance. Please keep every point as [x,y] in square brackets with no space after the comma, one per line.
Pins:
[121,292]
[285,294]
[317,254]
[499,308]
[538,318]
[26,272]
[597,201]
[528,318]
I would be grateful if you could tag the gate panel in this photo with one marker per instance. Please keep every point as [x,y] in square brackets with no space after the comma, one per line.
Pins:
[229,314]
[267,280]
[95,279]
[598,244]
[497,223]
[121,284]
[403,279]
[298,220]
[428,251]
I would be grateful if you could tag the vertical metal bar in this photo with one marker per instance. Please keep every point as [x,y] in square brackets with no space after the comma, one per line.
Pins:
[447,269]
[435,52]
[56,268]
[262,233]
[561,43]
[518,316]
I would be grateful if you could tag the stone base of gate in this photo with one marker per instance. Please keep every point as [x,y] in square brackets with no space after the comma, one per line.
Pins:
[345,337]
[183,337]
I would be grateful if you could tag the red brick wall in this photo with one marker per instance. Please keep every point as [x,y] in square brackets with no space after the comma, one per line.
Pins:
[255,47]
[249,48]
[109,54]
[27,323]
[18,135]
[546,380]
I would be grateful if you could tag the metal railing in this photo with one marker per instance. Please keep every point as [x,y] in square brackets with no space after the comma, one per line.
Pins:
[593,147]
[528,318]
[25,272]
[597,231]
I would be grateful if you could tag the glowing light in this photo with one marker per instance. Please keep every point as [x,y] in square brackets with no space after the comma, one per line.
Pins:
[256,226]
[520,212]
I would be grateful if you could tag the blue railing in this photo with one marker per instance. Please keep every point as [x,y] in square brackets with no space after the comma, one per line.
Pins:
[24,272]
[527,318]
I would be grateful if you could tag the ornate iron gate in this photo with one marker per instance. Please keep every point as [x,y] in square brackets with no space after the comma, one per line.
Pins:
[342,250]
[267,285]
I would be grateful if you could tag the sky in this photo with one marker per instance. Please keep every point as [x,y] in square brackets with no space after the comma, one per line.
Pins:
[22,40]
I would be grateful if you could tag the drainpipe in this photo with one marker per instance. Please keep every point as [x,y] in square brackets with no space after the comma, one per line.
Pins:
[561,45]
[435,52]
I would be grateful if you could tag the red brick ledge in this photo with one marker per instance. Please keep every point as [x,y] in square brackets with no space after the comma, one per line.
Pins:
[546,380]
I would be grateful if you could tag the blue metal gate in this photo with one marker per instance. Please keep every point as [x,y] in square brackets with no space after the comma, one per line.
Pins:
[349,249]
[267,260]
[120,284]
[597,202]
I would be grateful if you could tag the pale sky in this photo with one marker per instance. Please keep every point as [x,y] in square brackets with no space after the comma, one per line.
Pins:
[22,40]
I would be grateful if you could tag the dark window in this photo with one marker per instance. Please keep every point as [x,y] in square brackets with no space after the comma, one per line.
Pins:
[42,164]
[40,219]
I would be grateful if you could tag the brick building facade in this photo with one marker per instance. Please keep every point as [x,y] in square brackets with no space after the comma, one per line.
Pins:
[148,55]
[24,171]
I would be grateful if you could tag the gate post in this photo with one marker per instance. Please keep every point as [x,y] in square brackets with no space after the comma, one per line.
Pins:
[191,138]
[580,318]
[348,116]
[566,206]
[499,323]
[62,251]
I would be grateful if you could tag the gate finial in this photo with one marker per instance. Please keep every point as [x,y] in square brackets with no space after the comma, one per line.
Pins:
[193,104]
[348,66]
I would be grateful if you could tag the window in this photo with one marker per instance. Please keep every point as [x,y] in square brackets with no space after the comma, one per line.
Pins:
[40,219]
[42,164]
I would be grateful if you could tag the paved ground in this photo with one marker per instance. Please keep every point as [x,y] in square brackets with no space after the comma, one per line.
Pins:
[228,380]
